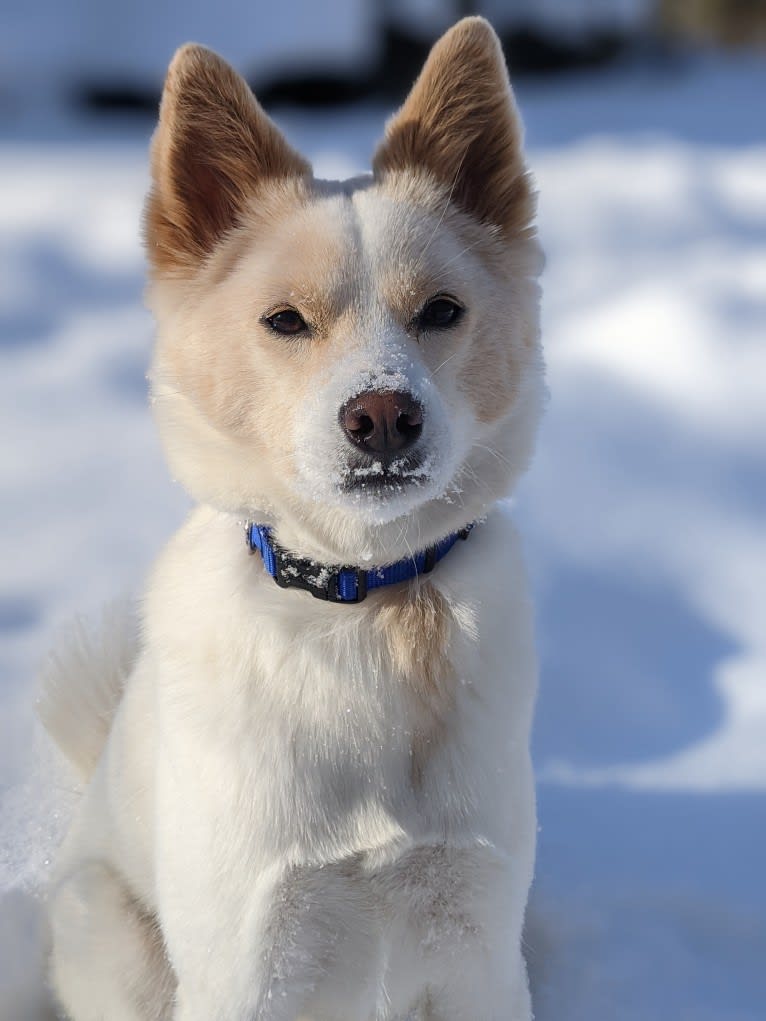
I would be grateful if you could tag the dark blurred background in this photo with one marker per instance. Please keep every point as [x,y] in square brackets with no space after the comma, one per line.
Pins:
[112,56]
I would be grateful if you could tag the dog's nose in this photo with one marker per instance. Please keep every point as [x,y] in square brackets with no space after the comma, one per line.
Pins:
[382,421]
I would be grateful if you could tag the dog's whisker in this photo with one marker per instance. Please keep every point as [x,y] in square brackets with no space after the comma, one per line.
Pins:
[448,200]
[461,253]
[495,453]
[442,364]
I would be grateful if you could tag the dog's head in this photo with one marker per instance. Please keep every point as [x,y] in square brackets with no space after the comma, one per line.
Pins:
[357,363]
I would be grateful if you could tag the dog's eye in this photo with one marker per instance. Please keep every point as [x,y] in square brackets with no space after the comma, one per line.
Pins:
[288,321]
[438,314]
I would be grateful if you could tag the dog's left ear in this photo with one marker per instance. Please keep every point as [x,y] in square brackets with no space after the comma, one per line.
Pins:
[460,124]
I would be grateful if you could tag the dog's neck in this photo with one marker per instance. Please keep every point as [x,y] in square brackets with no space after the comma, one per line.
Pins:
[339,583]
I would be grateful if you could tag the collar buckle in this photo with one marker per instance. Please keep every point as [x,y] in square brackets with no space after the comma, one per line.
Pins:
[346,585]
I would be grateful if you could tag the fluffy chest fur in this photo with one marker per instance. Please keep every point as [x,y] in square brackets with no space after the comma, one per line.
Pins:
[329,730]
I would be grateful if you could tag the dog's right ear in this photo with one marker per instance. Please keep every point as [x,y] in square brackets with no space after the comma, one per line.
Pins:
[213,147]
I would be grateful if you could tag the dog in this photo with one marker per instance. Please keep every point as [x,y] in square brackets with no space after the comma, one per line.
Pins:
[307,788]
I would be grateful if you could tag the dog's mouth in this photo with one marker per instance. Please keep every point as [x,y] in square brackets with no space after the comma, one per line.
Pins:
[382,478]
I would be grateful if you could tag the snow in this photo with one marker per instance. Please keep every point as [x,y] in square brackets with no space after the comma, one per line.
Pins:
[132,43]
[643,515]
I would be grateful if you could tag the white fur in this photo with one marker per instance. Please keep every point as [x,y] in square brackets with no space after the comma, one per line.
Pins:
[254,797]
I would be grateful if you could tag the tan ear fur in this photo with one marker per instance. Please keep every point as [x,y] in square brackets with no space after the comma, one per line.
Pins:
[460,123]
[213,146]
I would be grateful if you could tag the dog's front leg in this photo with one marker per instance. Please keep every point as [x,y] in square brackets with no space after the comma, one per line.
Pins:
[457,914]
[494,988]
[107,959]
[480,975]
[298,942]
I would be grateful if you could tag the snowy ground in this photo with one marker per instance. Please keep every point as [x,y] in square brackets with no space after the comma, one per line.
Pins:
[644,514]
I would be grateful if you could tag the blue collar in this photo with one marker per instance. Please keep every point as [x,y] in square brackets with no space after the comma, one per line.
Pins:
[341,584]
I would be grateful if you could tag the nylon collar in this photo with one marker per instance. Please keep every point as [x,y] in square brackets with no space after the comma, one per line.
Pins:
[338,584]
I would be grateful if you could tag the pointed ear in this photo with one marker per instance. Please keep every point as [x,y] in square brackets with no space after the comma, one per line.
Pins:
[460,123]
[213,146]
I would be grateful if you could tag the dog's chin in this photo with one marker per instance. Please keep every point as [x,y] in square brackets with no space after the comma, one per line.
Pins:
[381,491]
[371,491]
[396,476]
[382,496]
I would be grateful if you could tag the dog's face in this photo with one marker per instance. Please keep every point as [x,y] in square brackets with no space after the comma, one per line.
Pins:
[358,362]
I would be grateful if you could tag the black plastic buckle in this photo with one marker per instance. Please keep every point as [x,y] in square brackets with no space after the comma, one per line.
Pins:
[293,572]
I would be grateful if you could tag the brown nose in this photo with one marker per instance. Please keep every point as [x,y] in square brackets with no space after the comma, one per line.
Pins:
[382,421]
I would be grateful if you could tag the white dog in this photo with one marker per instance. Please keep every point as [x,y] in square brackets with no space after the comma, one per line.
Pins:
[321,808]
